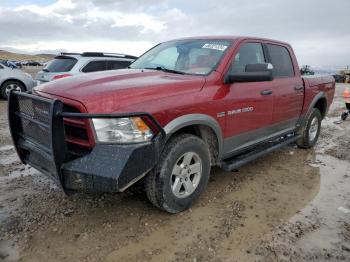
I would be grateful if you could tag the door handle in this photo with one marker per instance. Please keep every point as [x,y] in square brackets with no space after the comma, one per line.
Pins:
[297,88]
[266,92]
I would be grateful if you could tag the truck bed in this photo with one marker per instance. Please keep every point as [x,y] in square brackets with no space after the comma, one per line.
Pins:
[313,80]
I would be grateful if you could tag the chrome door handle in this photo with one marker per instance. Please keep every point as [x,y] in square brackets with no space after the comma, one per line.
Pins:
[266,92]
[297,88]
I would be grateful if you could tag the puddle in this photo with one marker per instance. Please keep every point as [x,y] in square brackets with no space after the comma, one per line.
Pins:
[320,230]
[8,253]
[8,156]
[332,204]
[6,148]
[9,159]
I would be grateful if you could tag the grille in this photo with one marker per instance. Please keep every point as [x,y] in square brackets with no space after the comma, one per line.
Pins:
[76,132]
[70,109]
[37,132]
[34,116]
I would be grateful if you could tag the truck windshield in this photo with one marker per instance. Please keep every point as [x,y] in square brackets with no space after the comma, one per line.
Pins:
[198,57]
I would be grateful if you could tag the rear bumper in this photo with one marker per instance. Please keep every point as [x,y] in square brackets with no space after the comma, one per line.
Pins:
[37,130]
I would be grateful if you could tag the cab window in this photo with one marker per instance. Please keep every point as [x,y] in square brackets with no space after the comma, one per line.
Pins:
[281,61]
[250,53]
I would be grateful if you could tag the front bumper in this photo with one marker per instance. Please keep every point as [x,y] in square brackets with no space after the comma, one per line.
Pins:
[37,130]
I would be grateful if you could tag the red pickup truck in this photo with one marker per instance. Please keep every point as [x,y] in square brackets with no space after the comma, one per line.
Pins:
[182,107]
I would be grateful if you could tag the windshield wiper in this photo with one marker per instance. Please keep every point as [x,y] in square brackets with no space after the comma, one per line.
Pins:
[164,69]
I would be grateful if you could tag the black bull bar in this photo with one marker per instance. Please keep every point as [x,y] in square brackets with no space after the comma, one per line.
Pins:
[38,133]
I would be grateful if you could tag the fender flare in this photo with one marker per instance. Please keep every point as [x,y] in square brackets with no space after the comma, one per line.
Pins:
[195,119]
[320,95]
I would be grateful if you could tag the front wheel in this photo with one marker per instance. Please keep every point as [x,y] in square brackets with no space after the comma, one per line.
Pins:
[181,174]
[8,86]
[311,130]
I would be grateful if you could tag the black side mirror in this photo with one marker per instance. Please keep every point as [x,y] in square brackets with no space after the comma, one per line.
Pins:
[253,73]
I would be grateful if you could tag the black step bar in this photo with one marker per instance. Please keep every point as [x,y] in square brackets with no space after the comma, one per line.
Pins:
[240,160]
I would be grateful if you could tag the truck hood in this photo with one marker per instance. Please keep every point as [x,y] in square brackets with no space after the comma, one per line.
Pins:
[112,91]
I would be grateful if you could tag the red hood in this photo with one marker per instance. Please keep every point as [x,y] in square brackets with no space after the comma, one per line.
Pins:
[111,91]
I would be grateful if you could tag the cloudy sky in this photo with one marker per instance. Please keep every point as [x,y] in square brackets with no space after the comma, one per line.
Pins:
[317,29]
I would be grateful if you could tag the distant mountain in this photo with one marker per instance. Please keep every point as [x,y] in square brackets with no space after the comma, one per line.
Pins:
[6,55]
[46,56]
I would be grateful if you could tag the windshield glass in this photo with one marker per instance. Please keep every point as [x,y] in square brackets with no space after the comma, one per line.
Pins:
[61,64]
[197,57]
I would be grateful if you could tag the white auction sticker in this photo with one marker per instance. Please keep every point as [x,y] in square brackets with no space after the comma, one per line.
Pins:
[215,47]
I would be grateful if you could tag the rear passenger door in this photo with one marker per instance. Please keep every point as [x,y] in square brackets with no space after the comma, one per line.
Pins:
[288,88]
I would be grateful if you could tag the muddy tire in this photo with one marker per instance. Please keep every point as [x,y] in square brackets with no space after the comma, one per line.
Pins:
[181,174]
[311,130]
[9,85]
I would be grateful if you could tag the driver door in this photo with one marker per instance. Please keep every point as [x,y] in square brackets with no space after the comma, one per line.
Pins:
[249,106]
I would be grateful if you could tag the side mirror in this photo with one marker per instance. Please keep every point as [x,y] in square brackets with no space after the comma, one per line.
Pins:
[253,73]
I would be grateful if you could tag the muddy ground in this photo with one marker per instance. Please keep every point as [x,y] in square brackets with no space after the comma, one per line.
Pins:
[291,205]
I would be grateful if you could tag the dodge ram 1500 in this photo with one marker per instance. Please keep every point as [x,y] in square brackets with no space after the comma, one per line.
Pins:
[184,106]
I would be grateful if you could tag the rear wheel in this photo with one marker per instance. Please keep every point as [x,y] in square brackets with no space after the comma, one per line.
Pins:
[8,86]
[311,130]
[181,174]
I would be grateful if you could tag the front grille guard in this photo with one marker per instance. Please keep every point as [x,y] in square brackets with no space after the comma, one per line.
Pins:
[37,130]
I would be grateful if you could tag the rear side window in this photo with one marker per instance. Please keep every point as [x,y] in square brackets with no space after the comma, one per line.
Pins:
[250,53]
[281,61]
[61,64]
[111,65]
[95,66]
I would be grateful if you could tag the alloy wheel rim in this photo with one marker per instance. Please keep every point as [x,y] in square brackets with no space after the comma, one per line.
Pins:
[186,175]
[11,87]
[313,129]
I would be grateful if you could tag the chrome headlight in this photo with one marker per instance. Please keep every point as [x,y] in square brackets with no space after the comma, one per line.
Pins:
[121,130]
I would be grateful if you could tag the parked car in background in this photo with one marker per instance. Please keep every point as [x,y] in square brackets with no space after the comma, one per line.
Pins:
[10,63]
[32,63]
[339,78]
[16,79]
[17,63]
[3,62]
[69,64]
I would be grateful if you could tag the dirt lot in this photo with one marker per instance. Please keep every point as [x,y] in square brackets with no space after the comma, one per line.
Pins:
[292,205]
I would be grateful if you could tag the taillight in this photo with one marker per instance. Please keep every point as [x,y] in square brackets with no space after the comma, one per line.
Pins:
[60,76]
